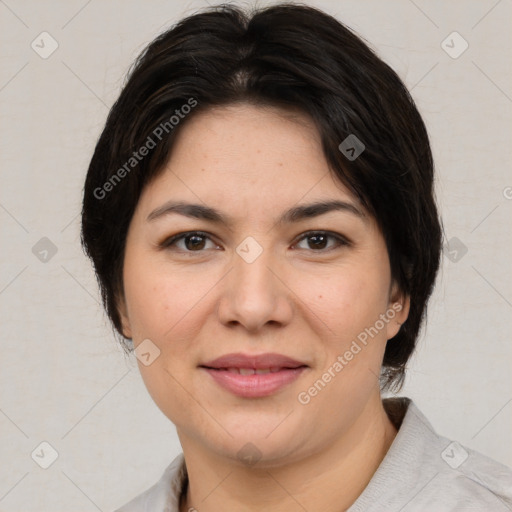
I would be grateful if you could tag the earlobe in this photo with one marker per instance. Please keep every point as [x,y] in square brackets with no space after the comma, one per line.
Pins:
[127,333]
[405,304]
[398,311]
[125,322]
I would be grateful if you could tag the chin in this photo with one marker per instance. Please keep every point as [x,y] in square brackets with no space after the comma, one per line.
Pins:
[261,454]
[260,445]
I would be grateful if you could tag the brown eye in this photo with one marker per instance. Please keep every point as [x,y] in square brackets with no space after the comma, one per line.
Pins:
[318,241]
[192,241]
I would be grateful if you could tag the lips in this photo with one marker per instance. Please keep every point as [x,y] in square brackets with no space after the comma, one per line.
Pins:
[252,371]
[254,376]
[256,362]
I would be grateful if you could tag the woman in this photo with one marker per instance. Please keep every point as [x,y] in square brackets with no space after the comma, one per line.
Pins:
[260,214]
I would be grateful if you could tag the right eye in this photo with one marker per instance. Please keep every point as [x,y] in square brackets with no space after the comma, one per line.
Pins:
[192,241]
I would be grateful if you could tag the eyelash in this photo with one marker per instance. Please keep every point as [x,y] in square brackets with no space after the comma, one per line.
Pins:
[340,240]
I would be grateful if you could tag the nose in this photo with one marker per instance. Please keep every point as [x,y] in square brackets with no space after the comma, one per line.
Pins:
[255,294]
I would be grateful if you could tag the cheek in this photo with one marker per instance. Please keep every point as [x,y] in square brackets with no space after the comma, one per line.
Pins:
[349,304]
[148,291]
[346,301]
[150,303]
[166,305]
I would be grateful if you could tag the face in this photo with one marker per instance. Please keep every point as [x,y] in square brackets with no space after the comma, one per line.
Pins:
[250,272]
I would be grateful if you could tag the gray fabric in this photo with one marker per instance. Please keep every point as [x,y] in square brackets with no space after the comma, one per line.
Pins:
[421,471]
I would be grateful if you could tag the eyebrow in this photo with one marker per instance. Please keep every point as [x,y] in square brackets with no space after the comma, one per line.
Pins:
[295,214]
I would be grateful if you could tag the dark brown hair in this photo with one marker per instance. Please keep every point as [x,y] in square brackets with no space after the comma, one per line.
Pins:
[290,56]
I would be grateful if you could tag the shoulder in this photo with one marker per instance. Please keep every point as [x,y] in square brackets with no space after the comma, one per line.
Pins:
[426,471]
[164,495]
[469,480]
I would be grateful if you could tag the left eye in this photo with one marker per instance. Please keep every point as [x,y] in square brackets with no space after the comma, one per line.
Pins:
[319,240]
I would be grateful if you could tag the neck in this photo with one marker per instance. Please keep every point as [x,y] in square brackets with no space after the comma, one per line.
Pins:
[330,479]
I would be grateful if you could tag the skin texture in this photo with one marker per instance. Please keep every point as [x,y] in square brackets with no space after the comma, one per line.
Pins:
[301,298]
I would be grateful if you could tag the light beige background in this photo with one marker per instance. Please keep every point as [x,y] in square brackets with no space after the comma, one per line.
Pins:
[63,379]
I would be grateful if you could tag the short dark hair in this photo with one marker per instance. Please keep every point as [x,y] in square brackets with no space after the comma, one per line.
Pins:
[291,56]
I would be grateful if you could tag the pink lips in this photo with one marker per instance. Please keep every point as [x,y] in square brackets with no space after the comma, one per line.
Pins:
[254,376]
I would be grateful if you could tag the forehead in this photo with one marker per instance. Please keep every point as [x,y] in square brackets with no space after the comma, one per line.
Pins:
[246,159]
[244,137]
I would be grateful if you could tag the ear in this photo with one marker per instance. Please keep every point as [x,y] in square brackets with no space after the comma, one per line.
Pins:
[398,310]
[125,321]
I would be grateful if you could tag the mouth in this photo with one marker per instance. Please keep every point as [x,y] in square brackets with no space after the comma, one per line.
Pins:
[253,371]
[254,376]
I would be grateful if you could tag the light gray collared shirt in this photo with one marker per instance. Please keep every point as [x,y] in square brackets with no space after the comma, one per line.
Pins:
[422,471]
